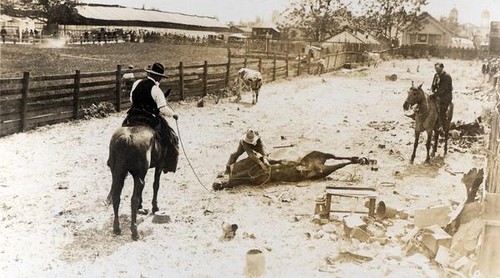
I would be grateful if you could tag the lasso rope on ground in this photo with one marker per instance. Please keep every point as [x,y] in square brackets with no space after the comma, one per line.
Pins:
[187,159]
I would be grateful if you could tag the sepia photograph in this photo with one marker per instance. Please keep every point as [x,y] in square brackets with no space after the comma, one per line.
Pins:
[250,138]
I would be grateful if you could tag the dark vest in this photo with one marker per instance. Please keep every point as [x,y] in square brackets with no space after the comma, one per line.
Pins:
[142,99]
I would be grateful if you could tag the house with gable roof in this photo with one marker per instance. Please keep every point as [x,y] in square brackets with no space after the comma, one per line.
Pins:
[428,31]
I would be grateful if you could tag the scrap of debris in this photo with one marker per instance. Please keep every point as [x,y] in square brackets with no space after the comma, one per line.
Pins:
[447,235]
[391,77]
[383,125]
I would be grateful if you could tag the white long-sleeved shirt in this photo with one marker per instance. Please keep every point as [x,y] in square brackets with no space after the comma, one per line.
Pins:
[158,97]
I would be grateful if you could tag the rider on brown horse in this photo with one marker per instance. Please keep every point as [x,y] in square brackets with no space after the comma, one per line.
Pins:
[442,88]
[149,106]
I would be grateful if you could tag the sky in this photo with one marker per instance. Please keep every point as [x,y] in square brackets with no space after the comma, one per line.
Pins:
[469,11]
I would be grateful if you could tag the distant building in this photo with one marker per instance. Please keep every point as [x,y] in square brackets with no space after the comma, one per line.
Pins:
[478,34]
[352,35]
[97,16]
[266,30]
[427,31]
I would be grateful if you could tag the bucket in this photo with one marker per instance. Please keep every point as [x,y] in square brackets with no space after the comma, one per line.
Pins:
[384,211]
[256,265]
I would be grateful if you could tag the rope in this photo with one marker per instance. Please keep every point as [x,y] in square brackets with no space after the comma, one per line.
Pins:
[187,159]
[268,175]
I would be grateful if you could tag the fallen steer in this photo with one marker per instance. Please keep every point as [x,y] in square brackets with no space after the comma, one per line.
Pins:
[310,167]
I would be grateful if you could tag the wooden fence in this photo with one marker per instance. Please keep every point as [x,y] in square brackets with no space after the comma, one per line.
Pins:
[490,245]
[424,51]
[30,101]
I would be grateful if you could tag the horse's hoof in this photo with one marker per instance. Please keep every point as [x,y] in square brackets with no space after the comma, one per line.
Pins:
[155,209]
[217,186]
[117,231]
[135,237]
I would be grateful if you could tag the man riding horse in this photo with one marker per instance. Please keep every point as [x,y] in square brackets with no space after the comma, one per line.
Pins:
[149,106]
[442,91]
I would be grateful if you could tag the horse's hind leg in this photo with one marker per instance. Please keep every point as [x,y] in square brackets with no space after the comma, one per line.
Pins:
[114,195]
[136,198]
[415,145]
[435,145]
[428,146]
[446,127]
[156,187]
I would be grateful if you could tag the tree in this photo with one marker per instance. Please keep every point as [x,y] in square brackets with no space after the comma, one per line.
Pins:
[51,11]
[318,19]
[57,12]
[389,17]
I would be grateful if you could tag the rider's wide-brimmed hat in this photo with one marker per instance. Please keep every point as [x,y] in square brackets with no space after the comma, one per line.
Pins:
[250,137]
[157,69]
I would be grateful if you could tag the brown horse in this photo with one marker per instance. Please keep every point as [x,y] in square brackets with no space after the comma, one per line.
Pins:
[134,150]
[310,167]
[427,119]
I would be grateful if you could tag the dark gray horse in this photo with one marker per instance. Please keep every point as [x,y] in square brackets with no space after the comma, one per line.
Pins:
[134,150]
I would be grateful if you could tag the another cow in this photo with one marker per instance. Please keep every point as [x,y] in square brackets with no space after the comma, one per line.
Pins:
[251,79]
[372,57]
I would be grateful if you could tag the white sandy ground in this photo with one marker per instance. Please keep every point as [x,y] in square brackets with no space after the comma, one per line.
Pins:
[50,232]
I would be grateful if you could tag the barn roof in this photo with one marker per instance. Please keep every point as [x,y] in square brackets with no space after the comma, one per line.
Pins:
[116,13]
[347,36]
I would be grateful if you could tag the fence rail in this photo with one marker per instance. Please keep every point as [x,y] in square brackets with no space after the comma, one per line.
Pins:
[33,101]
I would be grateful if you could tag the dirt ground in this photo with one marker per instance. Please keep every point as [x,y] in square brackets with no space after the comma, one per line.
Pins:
[53,182]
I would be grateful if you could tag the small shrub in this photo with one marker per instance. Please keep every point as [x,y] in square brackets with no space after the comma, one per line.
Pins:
[100,110]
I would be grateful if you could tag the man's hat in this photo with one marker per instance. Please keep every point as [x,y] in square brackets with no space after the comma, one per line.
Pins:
[250,137]
[157,69]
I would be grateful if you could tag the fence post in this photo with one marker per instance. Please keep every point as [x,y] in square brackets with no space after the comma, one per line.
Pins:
[76,94]
[181,81]
[24,103]
[309,66]
[118,88]
[335,60]
[286,65]
[228,66]
[274,67]
[260,65]
[245,62]
[298,65]
[205,73]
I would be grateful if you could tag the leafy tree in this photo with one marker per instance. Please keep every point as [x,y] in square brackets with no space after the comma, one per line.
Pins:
[317,19]
[55,11]
[51,11]
[389,17]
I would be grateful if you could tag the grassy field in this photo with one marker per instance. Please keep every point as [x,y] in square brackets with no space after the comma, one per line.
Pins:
[41,60]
